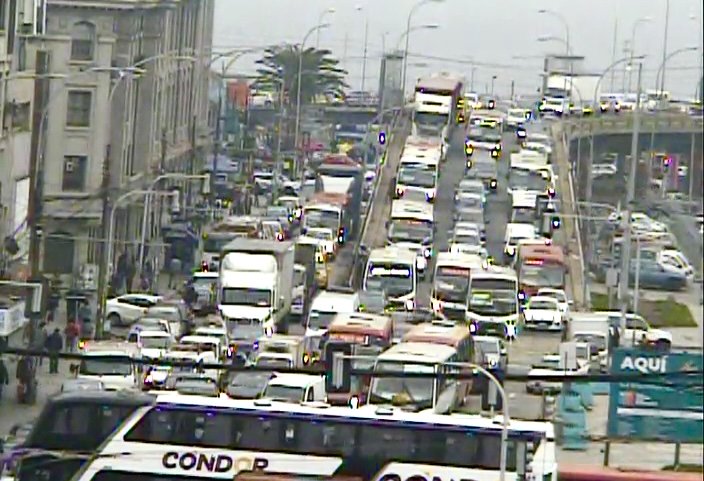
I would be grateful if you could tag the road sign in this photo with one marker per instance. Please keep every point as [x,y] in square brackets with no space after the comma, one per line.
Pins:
[668,408]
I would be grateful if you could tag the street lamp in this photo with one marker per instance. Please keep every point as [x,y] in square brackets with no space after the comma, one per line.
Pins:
[553,38]
[413,10]
[493,79]
[640,21]
[322,15]
[404,35]
[564,22]
[700,83]
[317,28]
[359,8]
[661,69]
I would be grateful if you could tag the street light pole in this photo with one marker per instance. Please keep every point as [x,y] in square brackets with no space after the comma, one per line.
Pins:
[408,30]
[329,11]
[317,28]
[638,22]
[630,196]
[661,68]
[364,55]
[664,46]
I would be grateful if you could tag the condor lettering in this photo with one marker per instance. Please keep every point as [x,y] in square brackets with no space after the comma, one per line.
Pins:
[419,477]
[212,463]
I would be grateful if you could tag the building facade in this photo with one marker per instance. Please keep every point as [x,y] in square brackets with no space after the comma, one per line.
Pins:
[131,101]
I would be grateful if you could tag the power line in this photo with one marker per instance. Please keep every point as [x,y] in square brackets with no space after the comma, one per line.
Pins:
[695,376]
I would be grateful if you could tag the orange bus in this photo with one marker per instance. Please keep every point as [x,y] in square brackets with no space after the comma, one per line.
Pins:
[590,473]
[540,265]
[370,334]
[457,336]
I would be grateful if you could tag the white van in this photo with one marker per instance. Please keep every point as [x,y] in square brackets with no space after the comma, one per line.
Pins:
[295,388]
[516,233]
[111,363]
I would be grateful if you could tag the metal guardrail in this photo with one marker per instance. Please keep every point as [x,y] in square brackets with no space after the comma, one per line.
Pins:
[664,122]
[398,121]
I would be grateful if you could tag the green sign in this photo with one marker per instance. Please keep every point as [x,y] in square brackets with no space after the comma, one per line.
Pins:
[668,408]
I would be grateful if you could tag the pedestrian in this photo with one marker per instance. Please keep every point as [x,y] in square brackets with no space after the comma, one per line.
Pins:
[54,344]
[4,376]
[175,267]
[40,338]
[72,333]
[25,379]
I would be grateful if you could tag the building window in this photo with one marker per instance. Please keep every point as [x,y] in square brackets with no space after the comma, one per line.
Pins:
[93,255]
[78,109]
[58,253]
[82,42]
[74,178]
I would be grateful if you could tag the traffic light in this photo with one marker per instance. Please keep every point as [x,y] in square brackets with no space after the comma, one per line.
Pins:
[555,222]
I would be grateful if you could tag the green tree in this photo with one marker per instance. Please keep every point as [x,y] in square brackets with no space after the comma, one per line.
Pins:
[320,73]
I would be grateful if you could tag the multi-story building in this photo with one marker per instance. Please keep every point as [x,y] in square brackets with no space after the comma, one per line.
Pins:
[132,99]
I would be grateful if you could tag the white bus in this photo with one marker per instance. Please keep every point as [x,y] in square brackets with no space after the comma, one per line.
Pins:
[493,305]
[194,438]
[418,174]
[412,227]
[393,270]
[451,283]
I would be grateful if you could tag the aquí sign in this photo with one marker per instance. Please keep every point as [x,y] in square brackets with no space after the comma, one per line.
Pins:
[645,365]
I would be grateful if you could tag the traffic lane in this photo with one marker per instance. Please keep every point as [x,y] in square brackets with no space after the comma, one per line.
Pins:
[451,172]
[373,235]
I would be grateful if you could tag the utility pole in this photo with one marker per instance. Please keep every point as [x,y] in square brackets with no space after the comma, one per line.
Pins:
[36,173]
[364,56]
[104,266]
[216,147]
[664,46]
[614,48]
[626,246]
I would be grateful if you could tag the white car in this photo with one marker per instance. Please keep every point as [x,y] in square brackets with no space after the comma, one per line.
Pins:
[542,312]
[563,302]
[127,308]
[537,147]
[674,260]
[550,366]
[516,117]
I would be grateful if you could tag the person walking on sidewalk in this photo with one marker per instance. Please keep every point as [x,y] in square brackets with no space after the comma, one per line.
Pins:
[4,376]
[54,344]
[72,333]
[40,340]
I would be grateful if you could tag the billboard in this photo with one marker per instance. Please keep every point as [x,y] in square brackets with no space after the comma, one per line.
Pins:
[669,408]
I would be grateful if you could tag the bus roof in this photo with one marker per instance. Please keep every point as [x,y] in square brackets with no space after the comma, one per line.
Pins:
[494,272]
[360,323]
[551,253]
[521,199]
[125,397]
[438,333]
[418,352]
[415,141]
[459,260]
[442,84]
[336,412]
[336,199]
[409,209]
[392,254]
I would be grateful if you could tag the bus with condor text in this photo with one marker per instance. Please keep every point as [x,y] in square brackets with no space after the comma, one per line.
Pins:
[493,306]
[540,265]
[195,438]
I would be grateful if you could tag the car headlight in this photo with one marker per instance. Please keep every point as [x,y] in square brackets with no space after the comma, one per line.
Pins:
[510,250]
[493,183]
[410,305]
[427,252]
[492,363]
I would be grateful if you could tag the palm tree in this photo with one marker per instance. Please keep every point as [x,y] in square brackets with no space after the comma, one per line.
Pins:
[320,74]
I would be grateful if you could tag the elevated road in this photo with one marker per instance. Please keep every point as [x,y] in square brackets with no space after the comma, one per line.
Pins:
[333,114]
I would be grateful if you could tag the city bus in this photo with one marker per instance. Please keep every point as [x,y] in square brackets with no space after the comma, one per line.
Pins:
[217,236]
[598,473]
[195,438]
[393,270]
[74,423]
[493,307]
[451,283]
[327,211]
[412,227]
[414,393]
[436,104]
[540,265]
[370,335]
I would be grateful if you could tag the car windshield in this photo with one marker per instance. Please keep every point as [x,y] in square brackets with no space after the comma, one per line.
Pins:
[242,296]
[405,230]
[155,342]
[488,347]
[543,276]
[403,390]
[274,363]
[284,393]
[523,215]
[542,304]
[277,211]
[414,177]
[214,244]
[328,219]
[597,341]
[466,238]
[250,379]
[203,282]
[321,234]
[105,366]
[469,201]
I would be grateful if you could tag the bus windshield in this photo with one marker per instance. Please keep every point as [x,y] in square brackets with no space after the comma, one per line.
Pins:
[431,119]
[523,179]
[493,303]
[329,219]
[395,280]
[542,275]
[451,284]
[416,177]
[243,296]
[402,230]
[403,390]
[106,366]
[215,244]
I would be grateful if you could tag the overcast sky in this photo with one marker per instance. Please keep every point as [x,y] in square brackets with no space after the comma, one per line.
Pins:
[500,36]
